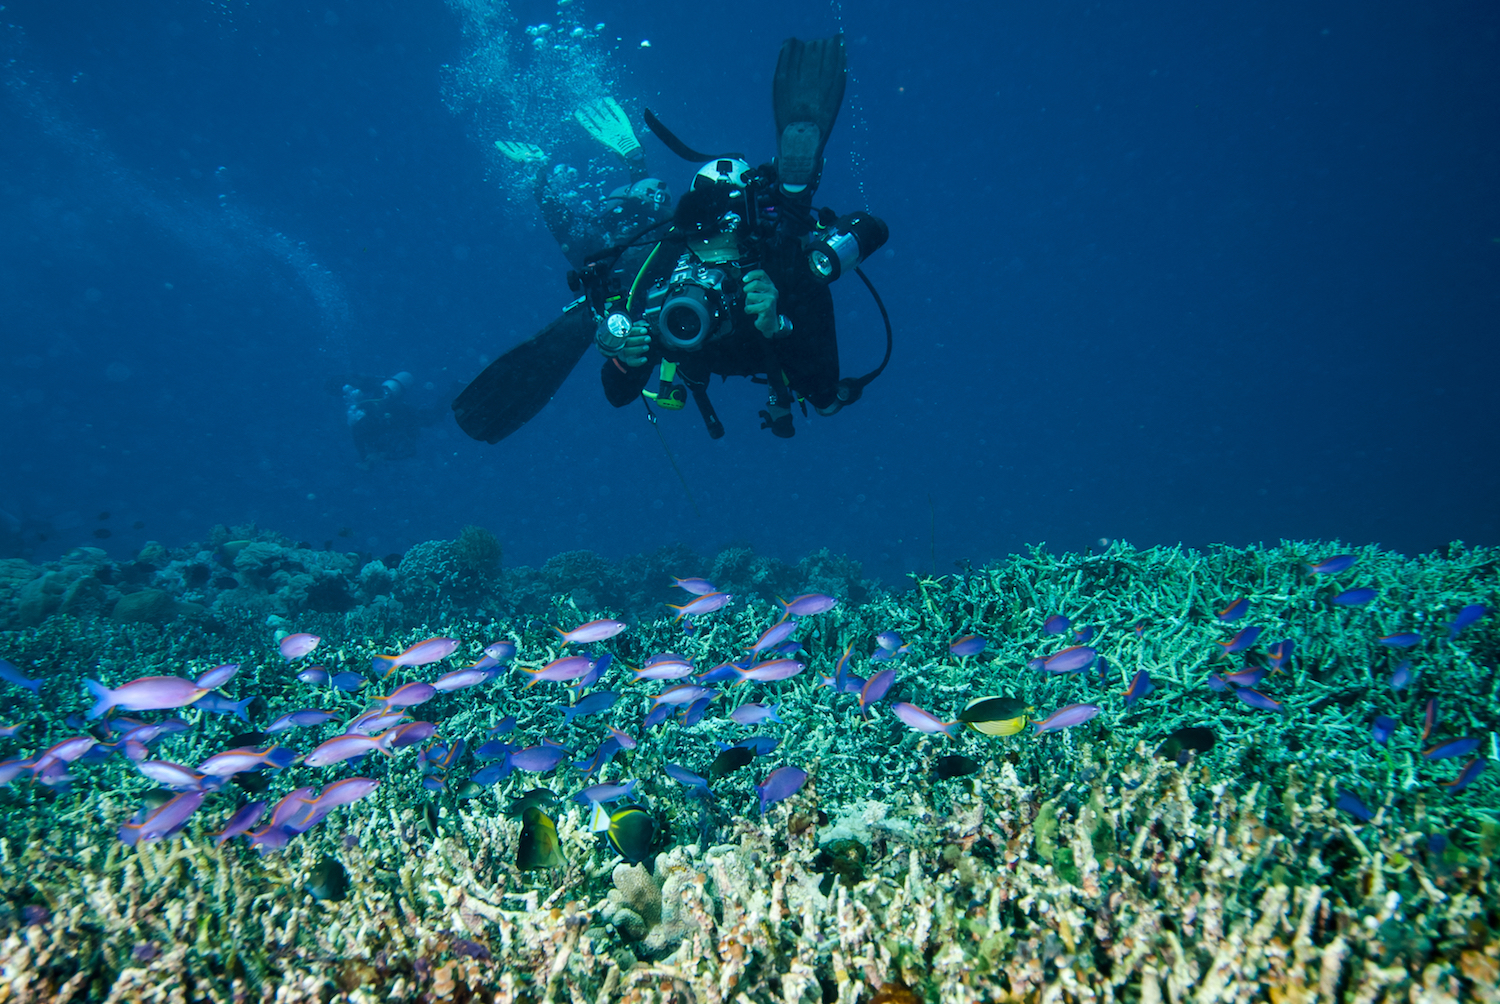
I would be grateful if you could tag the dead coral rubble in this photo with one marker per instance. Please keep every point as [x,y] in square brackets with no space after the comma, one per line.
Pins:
[1162,886]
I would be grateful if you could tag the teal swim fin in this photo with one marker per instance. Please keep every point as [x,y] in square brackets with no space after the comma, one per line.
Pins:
[806,94]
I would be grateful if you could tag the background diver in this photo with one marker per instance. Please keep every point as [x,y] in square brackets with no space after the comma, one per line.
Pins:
[737,286]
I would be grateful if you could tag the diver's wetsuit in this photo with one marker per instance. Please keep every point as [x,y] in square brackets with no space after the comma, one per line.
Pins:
[809,356]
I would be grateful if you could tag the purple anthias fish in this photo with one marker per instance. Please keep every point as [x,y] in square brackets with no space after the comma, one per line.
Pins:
[1452,748]
[889,640]
[346,747]
[1256,699]
[247,758]
[378,720]
[408,696]
[698,587]
[724,672]
[759,745]
[702,605]
[246,817]
[683,693]
[218,704]
[969,644]
[10,731]
[1466,776]
[770,672]
[305,718]
[218,676]
[163,821]
[408,734]
[665,670]
[1067,717]
[1235,610]
[1351,804]
[600,794]
[583,634]
[538,759]
[1406,639]
[1250,676]
[593,704]
[1382,728]
[1217,682]
[1056,624]
[421,654]
[754,714]
[504,726]
[1075,659]
[1402,677]
[500,651]
[655,716]
[171,775]
[344,792]
[1140,686]
[779,785]
[807,605]
[1468,615]
[1353,597]
[295,646]
[471,676]
[1243,639]
[10,674]
[875,688]
[314,676]
[1281,652]
[921,720]
[600,759]
[149,693]
[624,739]
[773,635]
[1334,565]
[559,670]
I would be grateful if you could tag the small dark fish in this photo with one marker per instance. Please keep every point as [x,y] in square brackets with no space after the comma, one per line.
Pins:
[729,761]
[1139,687]
[464,948]
[1452,748]
[631,831]
[1466,776]
[1352,805]
[1056,624]
[1235,610]
[953,765]
[538,847]
[1382,728]
[1353,597]
[328,881]
[1242,640]
[103,533]
[540,798]
[1192,738]
[1468,615]
[1406,639]
[1334,565]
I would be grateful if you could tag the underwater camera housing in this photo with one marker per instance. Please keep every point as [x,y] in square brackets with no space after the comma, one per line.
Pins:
[690,306]
[852,238]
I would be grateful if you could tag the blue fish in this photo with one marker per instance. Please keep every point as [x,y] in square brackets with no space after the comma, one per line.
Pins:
[1353,597]
[598,794]
[1406,639]
[1452,748]
[1242,640]
[697,786]
[1235,610]
[220,705]
[348,680]
[693,713]
[538,759]
[1466,776]
[1382,728]
[492,774]
[601,758]
[495,748]
[596,702]
[759,745]
[1402,677]
[1056,624]
[1468,615]
[656,716]
[503,726]
[1334,565]
[1351,804]
[596,670]
[10,674]
[724,672]
[1139,687]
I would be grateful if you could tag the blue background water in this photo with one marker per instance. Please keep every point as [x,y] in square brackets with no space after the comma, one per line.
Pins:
[1158,272]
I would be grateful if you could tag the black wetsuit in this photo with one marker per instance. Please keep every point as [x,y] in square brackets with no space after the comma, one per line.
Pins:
[808,357]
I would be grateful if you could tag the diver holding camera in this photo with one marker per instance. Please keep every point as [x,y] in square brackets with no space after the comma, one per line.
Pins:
[739,285]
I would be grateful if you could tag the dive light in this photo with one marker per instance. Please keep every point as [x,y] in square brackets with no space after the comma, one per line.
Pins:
[853,238]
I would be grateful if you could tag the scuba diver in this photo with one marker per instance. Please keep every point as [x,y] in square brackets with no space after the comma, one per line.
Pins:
[738,286]
[579,232]
[382,420]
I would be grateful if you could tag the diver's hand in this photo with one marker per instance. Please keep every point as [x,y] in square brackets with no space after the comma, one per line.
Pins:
[637,345]
[760,302]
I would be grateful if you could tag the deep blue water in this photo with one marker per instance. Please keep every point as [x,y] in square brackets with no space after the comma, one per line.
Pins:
[1161,272]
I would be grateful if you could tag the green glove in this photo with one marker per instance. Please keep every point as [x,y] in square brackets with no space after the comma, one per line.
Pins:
[607,122]
[521,153]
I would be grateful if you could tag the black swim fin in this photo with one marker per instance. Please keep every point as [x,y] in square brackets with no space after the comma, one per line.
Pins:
[513,388]
[806,94]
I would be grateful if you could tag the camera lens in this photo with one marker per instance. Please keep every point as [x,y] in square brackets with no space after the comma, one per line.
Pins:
[682,322]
